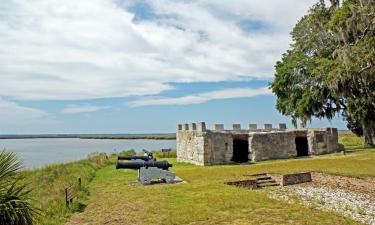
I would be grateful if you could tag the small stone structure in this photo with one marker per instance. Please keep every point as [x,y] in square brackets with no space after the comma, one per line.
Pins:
[198,145]
[291,179]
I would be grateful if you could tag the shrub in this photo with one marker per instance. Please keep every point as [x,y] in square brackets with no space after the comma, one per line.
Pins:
[15,203]
[160,154]
[129,152]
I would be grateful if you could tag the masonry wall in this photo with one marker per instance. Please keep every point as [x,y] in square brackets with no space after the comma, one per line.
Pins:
[220,148]
[323,141]
[197,145]
[272,145]
[190,147]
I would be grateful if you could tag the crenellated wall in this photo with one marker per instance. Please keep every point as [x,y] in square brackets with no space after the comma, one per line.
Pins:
[198,145]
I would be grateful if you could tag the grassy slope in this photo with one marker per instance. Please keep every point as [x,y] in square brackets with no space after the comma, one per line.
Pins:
[48,185]
[205,199]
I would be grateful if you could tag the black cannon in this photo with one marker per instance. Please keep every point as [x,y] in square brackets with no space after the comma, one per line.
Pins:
[144,158]
[149,170]
[135,165]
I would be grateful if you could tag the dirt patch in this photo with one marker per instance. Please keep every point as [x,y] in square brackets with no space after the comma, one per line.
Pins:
[358,185]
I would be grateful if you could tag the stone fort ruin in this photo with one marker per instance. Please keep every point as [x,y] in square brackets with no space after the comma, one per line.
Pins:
[198,145]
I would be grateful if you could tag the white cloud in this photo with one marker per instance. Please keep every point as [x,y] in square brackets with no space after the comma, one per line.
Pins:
[83,108]
[201,98]
[87,49]
[13,113]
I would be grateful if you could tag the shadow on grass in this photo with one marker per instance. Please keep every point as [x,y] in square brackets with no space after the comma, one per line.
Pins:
[357,149]
[79,207]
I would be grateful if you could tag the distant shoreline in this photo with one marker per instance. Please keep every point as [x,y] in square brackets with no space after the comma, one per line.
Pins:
[117,137]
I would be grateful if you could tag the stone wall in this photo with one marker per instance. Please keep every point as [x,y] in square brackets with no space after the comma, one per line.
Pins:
[271,145]
[323,141]
[190,147]
[221,148]
[200,146]
[197,145]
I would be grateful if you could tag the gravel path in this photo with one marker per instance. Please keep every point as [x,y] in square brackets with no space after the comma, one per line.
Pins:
[359,207]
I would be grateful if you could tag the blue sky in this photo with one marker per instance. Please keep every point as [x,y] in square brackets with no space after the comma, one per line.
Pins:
[104,66]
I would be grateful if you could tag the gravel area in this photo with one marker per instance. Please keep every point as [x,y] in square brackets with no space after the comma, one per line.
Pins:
[358,206]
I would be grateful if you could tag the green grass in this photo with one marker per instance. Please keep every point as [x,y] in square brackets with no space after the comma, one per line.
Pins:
[48,184]
[351,141]
[205,199]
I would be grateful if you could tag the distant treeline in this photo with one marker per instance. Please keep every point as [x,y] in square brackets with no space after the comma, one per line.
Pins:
[161,137]
[155,137]
[37,136]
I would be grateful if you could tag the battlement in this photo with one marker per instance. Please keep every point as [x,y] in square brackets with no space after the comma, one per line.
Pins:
[199,145]
[252,127]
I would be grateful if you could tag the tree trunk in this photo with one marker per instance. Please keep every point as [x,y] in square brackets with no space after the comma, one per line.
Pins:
[368,137]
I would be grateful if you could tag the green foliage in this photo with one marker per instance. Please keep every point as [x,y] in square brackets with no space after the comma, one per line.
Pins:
[129,152]
[15,201]
[330,67]
[159,154]
[154,137]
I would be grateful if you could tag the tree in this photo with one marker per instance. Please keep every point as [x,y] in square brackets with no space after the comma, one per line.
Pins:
[15,207]
[299,85]
[329,69]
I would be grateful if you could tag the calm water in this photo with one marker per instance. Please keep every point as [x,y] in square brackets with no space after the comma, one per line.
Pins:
[42,151]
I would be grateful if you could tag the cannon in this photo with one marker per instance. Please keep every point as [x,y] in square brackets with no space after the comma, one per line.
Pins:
[138,164]
[149,170]
[144,158]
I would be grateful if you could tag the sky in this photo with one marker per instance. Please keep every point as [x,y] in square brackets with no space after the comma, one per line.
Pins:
[141,66]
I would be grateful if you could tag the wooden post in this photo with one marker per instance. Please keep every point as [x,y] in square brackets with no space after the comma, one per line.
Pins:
[79,183]
[69,196]
[66,197]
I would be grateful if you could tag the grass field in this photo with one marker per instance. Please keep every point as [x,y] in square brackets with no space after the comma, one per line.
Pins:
[205,199]
[106,197]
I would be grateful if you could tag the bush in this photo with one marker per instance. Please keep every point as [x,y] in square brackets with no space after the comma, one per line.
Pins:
[129,152]
[160,154]
[15,203]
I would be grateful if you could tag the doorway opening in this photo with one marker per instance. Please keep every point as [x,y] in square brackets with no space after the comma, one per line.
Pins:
[240,150]
[302,146]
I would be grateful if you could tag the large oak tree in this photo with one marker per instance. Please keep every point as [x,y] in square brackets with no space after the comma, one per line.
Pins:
[330,68]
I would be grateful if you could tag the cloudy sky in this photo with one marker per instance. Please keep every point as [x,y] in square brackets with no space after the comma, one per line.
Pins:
[125,66]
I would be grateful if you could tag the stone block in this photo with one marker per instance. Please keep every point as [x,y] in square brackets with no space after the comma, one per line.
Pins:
[268,126]
[201,126]
[236,126]
[282,126]
[253,127]
[193,126]
[219,127]
[296,178]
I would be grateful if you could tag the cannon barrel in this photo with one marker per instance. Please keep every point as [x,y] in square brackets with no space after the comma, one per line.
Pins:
[138,164]
[144,158]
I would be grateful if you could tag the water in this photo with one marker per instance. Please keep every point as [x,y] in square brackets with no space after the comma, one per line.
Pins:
[42,151]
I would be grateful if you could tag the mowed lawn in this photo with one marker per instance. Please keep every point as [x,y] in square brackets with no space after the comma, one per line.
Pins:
[205,199]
